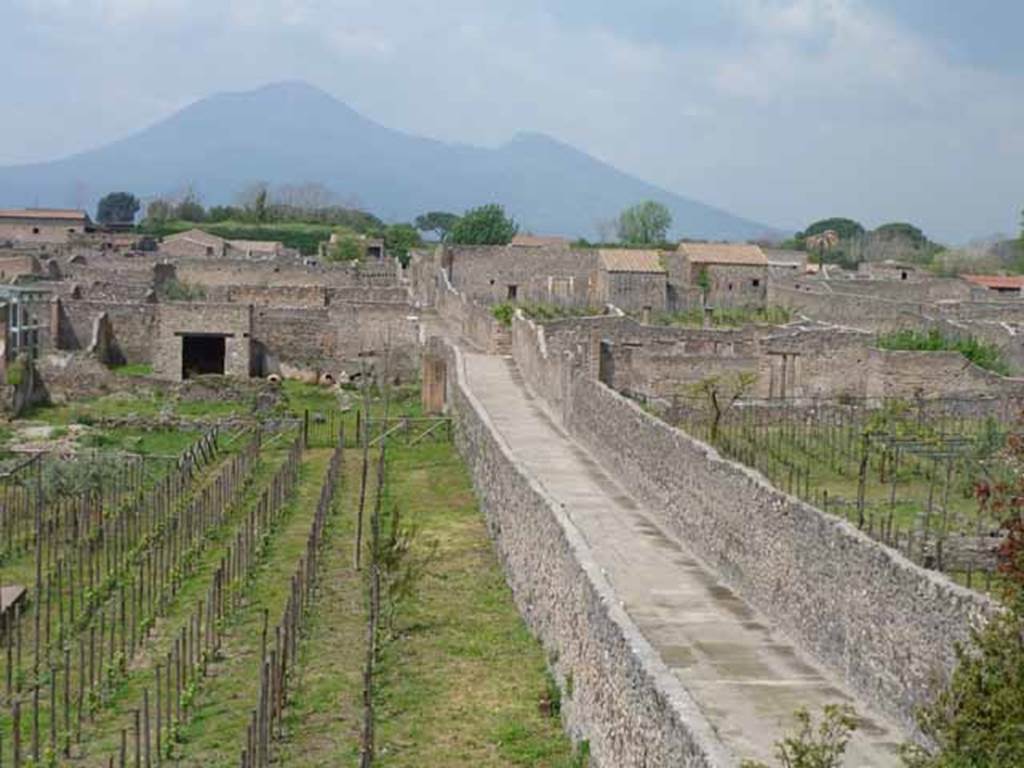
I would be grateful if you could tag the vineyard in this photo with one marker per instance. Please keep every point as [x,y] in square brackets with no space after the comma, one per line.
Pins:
[905,473]
[169,608]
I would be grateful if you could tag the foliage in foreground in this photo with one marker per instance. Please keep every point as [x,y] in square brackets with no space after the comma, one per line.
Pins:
[725,317]
[815,746]
[982,354]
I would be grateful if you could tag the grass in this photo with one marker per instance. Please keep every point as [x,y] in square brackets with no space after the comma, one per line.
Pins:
[462,681]
[982,354]
[723,317]
[132,369]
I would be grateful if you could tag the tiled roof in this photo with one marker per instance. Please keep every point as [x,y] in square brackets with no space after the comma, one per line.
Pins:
[996,281]
[538,241]
[738,254]
[62,214]
[255,245]
[196,236]
[624,260]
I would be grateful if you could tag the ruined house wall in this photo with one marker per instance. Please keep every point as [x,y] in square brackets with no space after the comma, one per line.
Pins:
[886,626]
[133,327]
[633,291]
[176,319]
[552,275]
[471,320]
[622,698]
[336,339]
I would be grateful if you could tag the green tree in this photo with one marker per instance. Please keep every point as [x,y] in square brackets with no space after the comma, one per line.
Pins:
[117,208]
[438,222]
[399,239]
[847,229]
[189,208]
[486,225]
[158,211]
[645,224]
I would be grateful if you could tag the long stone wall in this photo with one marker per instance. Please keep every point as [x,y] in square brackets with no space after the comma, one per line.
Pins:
[884,625]
[622,698]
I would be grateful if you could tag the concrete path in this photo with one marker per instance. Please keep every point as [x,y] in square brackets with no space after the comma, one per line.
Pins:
[747,678]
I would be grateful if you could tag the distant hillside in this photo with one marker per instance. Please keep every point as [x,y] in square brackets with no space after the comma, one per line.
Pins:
[292,132]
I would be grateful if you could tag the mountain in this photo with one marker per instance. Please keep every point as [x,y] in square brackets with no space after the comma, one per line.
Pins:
[289,133]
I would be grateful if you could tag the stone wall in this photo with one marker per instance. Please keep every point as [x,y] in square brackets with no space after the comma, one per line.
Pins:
[884,625]
[633,291]
[133,327]
[622,698]
[473,321]
[549,275]
[178,319]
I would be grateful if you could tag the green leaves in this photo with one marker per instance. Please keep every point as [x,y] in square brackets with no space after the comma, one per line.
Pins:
[486,225]
[645,224]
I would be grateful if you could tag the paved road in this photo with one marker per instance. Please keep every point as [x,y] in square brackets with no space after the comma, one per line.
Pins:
[747,678]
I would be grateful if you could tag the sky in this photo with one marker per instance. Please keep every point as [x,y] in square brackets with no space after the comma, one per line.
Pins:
[783,111]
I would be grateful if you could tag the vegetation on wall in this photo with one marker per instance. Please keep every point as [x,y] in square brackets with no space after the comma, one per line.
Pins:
[982,354]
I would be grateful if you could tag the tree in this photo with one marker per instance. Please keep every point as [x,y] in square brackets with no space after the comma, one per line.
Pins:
[159,210]
[399,239]
[254,199]
[645,224]
[117,208]
[717,394]
[189,207]
[438,222]
[486,225]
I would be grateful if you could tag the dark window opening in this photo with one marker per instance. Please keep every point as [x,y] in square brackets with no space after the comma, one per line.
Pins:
[903,275]
[513,292]
[209,250]
[730,286]
[35,230]
[492,282]
[201,355]
[756,282]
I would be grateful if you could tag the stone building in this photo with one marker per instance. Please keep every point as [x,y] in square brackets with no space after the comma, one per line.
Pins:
[49,226]
[195,243]
[540,241]
[194,339]
[733,274]
[632,280]
[998,285]
[890,270]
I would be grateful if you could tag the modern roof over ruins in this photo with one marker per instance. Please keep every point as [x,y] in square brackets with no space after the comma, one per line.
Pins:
[737,254]
[44,214]
[624,260]
[538,241]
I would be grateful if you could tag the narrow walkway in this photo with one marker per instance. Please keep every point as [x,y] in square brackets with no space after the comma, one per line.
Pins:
[747,679]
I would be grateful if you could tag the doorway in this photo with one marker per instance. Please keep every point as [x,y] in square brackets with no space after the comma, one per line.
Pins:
[202,355]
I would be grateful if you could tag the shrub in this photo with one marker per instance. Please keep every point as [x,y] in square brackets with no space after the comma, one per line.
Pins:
[982,354]
[815,747]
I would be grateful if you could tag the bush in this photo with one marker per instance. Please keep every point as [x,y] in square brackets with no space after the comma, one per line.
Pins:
[177,290]
[815,747]
[982,354]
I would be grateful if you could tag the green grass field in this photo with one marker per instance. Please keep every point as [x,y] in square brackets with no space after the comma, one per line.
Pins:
[460,681]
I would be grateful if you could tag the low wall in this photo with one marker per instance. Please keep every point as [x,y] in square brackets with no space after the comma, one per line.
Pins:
[886,626]
[622,698]
[475,322]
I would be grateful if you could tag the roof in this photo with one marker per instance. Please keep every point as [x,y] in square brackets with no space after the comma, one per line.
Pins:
[624,260]
[61,214]
[997,282]
[255,245]
[538,241]
[195,236]
[737,254]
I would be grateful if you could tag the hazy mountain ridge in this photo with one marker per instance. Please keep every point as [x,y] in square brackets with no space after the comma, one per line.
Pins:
[291,132]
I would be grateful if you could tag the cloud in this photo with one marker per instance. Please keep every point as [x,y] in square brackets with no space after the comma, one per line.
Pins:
[781,110]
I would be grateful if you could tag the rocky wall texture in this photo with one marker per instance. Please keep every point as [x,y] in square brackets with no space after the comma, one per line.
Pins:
[622,698]
[886,626]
